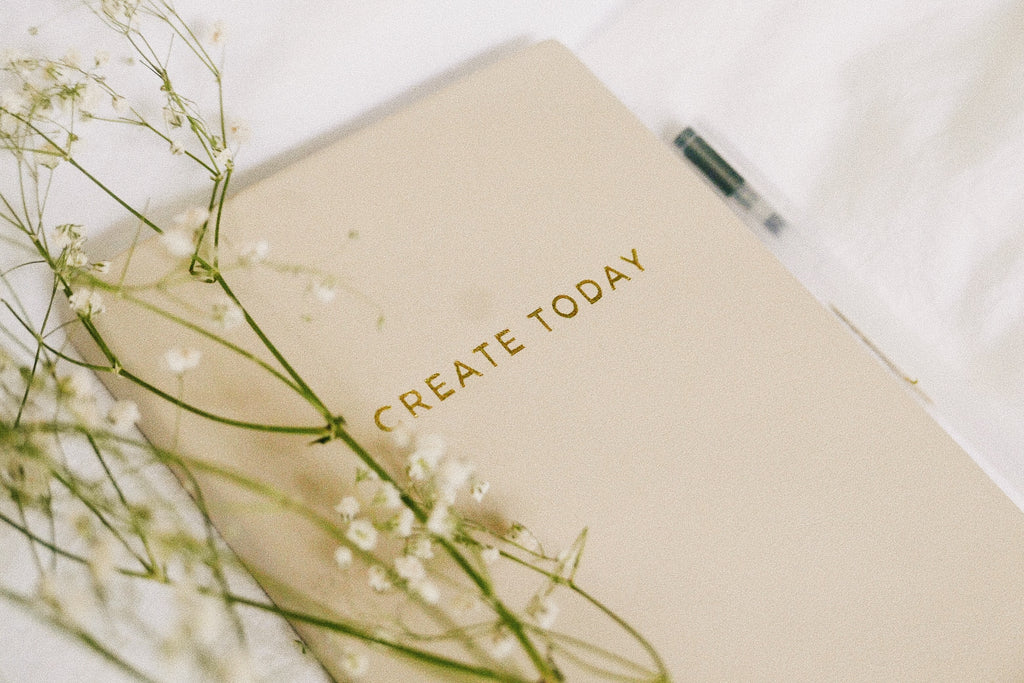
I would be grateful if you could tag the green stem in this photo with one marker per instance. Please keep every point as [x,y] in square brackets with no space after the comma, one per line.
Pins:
[81,634]
[304,388]
[573,586]
[411,652]
[506,616]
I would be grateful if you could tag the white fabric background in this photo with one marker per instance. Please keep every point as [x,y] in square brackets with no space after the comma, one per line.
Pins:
[891,133]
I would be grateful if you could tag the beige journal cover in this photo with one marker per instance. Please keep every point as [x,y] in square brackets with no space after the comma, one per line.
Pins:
[764,501]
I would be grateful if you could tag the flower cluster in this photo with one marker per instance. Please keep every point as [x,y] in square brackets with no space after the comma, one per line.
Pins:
[415,534]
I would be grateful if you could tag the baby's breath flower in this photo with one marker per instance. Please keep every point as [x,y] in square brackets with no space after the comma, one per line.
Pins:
[428,591]
[343,556]
[324,292]
[77,383]
[177,148]
[348,508]
[410,568]
[123,415]
[421,463]
[480,490]
[253,253]
[440,522]
[403,523]
[400,437]
[50,155]
[364,473]
[421,547]
[239,131]
[76,258]
[362,533]
[226,314]
[67,235]
[490,555]
[501,643]
[15,101]
[377,577]
[178,243]
[86,302]
[523,537]
[179,360]
[101,267]
[543,610]
[218,33]
[224,159]
[452,475]
[172,116]
[193,218]
[388,496]
[354,664]
[119,105]
[119,11]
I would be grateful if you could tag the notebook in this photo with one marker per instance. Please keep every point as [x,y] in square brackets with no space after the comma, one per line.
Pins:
[519,266]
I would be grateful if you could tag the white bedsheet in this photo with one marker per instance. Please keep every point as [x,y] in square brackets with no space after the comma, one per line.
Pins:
[890,132]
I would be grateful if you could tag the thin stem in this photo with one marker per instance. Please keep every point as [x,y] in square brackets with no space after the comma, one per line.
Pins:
[368,637]
[81,634]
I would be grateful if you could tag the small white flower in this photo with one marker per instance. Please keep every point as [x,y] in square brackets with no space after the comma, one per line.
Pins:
[179,361]
[86,302]
[343,556]
[410,568]
[501,643]
[223,158]
[354,664]
[123,415]
[192,219]
[226,314]
[422,548]
[452,475]
[178,243]
[440,522]
[480,490]
[404,522]
[50,155]
[523,537]
[428,591]
[76,258]
[422,461]
[72,58]
[490,555]
[324,292]
[254,253]
[119,105]
[388,496]
[15,101]
[101,59]
[101,267]
[177,148]
[78,383]
[218,33]
[362,533]
[348,508]
[400,437]
[543,610]
[172,117]
[239,131]
[364,473]
[378,579]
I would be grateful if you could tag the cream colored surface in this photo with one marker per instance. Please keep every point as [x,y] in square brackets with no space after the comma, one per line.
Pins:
[764,500]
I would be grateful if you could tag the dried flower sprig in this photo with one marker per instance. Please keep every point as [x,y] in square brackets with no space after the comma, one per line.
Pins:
[79,483]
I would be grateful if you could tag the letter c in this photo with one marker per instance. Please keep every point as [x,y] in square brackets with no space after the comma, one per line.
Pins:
[376,419]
